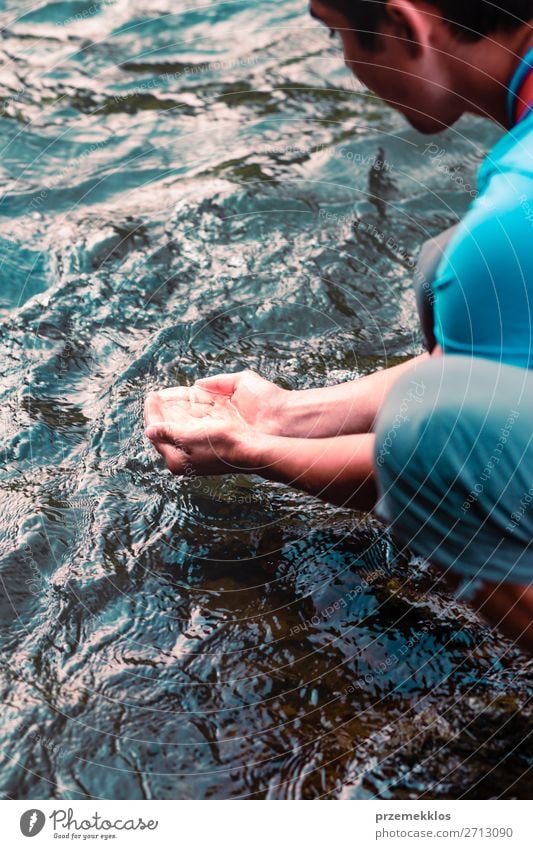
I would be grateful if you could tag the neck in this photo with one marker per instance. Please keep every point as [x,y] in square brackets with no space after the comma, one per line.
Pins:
[484,71]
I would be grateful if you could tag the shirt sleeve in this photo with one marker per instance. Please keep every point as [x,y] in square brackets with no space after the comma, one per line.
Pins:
[483,289]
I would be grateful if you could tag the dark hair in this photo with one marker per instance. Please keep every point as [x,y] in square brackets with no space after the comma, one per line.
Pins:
[469,19]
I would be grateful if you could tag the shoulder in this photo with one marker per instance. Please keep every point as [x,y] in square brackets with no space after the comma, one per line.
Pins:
[497,230]
[512,154]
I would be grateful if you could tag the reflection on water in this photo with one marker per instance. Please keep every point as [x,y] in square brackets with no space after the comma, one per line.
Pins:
[186,192]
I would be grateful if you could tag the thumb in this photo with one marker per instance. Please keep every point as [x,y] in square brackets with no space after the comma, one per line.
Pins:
[160,433]
[223,384]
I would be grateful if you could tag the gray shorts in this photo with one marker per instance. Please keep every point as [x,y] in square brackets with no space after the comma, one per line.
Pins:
[454,465]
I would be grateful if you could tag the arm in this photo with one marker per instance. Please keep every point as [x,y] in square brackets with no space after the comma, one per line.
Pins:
[338,470]
[346,408]
[349,407]
[508,607]
[201,438]
[353,407]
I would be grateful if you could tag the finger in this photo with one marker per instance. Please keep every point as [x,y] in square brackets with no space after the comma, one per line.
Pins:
[224,384]
[152,408]
[161,433]
[175,393]
[176,461]
[155,403]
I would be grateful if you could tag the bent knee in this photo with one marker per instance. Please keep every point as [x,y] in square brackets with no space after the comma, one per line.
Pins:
[415,418]
[449,406]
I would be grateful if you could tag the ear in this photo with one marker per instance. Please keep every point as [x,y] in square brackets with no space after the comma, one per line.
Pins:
[411,25]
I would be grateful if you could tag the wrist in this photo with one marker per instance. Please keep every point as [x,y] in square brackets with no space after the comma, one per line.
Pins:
[268,455]
[251,451]
[301,414]
[275,417]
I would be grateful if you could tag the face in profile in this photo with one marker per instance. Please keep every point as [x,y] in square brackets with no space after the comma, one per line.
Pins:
[408,66]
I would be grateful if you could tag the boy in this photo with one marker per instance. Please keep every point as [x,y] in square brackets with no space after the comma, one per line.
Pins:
[442,446]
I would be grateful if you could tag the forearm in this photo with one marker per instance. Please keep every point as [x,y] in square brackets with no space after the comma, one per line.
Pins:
[347,408]
[508,607]
[338,470]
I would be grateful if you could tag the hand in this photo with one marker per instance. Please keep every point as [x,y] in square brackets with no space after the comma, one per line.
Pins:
[260,403]
[197,432]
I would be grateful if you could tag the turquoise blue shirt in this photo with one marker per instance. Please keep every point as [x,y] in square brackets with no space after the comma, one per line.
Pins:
[483,290]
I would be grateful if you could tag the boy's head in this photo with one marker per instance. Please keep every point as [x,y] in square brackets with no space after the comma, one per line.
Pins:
[420,57]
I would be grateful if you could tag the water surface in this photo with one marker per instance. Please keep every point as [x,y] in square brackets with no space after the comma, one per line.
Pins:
[189,188]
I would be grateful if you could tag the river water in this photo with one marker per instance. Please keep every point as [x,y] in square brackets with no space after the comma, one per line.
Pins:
[190,188]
